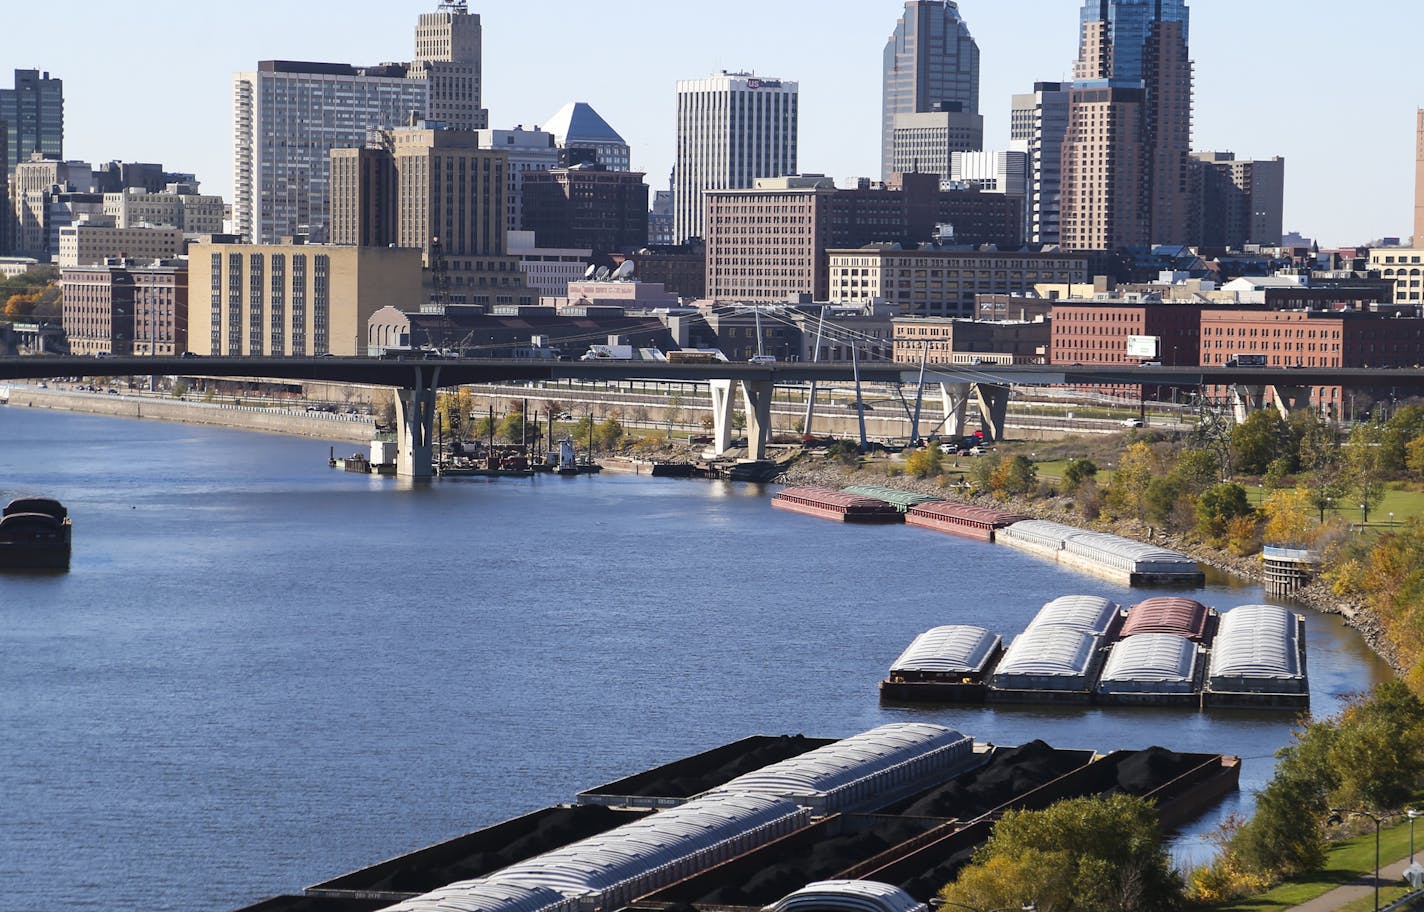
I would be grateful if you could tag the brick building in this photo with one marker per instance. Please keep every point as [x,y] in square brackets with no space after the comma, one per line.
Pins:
[127,307]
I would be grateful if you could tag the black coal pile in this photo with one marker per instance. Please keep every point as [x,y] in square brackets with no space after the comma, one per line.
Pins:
[1148,769]
[1009,773]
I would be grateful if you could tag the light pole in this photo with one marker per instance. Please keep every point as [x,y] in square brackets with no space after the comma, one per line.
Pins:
[1413,813]
[1338,816]
[1391,519]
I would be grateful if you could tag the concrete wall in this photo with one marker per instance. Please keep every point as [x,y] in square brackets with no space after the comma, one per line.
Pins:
[322,426]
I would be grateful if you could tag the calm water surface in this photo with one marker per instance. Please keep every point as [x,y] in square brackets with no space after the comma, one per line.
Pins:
[261,672]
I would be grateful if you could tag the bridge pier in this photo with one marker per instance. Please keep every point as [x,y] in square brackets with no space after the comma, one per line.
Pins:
[993,409]
[1247,399]
[1290,399]
[415,425]
[757,398]
[955,397]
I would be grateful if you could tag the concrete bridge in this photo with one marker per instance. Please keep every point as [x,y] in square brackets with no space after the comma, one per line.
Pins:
[985,386]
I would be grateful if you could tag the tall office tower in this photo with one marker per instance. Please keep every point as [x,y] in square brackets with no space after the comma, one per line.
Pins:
[287,118]
[448,55]
[732,128]
[925,143]
[7,226]
[33,112]
[1419,182]
[931,64]
[583,137]
[528,150]
[1237,202]
[1038,124]
[447,201]
[1126,179]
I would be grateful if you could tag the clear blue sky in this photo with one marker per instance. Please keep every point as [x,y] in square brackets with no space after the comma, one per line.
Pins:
[1332,87]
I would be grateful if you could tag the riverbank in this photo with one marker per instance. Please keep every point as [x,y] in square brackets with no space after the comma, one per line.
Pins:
[1316,596]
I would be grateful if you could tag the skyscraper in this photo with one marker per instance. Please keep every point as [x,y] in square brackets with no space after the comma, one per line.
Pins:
[1126,179]
[931,64]
[1419,181]
[448,56]
[583,137]
[1038,124]
[288,116]
[732,128]
[33,113]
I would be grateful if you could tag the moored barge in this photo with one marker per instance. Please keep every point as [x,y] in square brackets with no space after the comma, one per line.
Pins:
[838,505]
[948,664]
[1258,660]
[961,519]
[35,534]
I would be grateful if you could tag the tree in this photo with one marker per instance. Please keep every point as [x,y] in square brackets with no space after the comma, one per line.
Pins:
[1289,518]
[1102,854]
[1317,447]
[1260,438]
[1414,458]
[1196,470]
[20,305]
[926,462]
[1077,472]
[673,411]
[1125,495]
[1013,477]
[1365,461]
[514,428]
[1218,506]
[608,434]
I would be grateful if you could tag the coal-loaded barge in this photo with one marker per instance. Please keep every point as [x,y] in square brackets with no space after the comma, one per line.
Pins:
[1085,650]
[873,823]
[1109,556]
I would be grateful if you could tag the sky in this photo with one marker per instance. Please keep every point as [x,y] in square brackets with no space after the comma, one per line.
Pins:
[1326,85]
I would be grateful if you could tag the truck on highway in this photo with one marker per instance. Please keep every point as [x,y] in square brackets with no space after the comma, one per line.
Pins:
[1245,360]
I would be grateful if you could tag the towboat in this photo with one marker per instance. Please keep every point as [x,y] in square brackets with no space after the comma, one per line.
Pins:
[34,535]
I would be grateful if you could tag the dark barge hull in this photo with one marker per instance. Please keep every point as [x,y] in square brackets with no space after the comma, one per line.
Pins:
[932,692]
[22,556]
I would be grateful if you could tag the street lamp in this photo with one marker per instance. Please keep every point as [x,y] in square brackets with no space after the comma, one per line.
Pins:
[1364,516]
[1338,816]
[1391,519]
[1412,814]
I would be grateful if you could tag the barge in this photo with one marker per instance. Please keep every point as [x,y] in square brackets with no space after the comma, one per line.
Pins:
[1258,660]
[1113,557]
[35,534]
[961,519]
[1152,669]
[948,664]
[827,503]
[1181,617]
[900,500]
[903,805]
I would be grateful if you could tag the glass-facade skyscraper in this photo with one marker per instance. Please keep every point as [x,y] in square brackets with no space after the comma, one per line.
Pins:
[931,64]
[33,113]
[1126,174]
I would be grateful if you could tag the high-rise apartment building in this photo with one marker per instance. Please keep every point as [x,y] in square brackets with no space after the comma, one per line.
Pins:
[732,128]
[931,64]
[1038,124]
[584,137]
[287,117]
[1237,202]
[33,112]
[448,57]
[1126,179]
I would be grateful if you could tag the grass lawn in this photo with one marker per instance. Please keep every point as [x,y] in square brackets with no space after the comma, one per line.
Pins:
[1346,862]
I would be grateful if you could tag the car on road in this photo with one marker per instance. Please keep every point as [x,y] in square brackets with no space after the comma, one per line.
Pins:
[1132,422]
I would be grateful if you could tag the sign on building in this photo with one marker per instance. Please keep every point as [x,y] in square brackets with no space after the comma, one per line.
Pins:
[1144,346]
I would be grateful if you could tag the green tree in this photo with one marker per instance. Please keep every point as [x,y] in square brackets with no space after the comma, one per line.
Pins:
[1125,496]
[1082,855]
[1218,506]
[1196,470]
[1414,458]
[1077,472]
[1159,501]
[1262,437]
[1366,464]
[1317,447]
[1017,476]
[514,428]
[1405,425]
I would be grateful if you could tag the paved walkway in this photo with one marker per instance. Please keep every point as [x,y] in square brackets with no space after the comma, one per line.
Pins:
[1364,886]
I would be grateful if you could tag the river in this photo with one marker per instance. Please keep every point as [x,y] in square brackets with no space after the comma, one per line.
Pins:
[261,672]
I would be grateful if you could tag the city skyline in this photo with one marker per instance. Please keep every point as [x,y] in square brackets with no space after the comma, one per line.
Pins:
[1265,85]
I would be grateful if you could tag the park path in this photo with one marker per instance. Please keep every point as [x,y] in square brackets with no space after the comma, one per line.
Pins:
[1364,886]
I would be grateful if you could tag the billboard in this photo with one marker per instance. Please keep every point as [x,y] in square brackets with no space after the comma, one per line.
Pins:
[1144,346]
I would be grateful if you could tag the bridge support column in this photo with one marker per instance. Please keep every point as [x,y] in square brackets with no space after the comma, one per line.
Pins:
[415,425]
[721,415]
[757,397]
[1290,399]
[955,397]
[1247,399]
[993,409]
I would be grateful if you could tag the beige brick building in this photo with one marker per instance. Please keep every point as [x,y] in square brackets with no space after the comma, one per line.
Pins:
[295,300]
[940,282]
[93,242]
[1404,266]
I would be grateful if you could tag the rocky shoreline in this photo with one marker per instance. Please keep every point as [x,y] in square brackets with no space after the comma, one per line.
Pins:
[1317,595]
